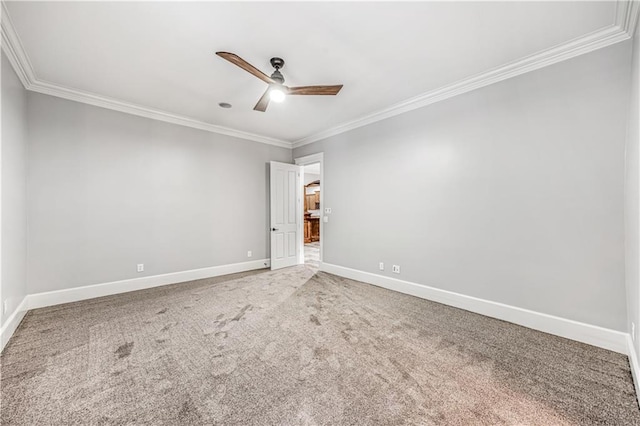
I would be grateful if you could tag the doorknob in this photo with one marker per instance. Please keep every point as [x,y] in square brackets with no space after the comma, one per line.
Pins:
[274,229]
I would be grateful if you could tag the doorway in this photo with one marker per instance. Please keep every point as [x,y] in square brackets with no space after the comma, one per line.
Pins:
[312,188]
[311,242]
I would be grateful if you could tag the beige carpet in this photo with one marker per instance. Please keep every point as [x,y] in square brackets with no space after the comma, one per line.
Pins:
[293,348]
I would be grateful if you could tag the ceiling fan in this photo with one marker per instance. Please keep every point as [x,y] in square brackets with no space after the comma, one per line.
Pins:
[277,90]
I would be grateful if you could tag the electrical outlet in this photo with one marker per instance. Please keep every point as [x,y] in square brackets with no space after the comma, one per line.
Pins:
[249,254]
[5,307]
[396,269]
[381,266]
[327,210]
[633,331]
[140,267]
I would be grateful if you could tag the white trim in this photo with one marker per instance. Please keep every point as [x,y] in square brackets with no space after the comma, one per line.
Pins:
[50,298]
[311,159]
[11,324]
[22,65]
[626,15]
[302,194]
[154,114]
[593,335]
[625,21]
[635,365]
[14,50]
[561,52]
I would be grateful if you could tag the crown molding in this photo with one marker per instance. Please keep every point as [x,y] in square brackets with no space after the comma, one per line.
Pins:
[20,62]
[12,47]
[154,114]
[588,43]
[626,15]
[626,18]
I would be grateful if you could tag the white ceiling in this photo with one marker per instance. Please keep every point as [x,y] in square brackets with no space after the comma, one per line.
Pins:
[312,169]
[160,55]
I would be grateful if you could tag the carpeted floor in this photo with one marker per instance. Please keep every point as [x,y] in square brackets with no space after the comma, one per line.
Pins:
[292,347]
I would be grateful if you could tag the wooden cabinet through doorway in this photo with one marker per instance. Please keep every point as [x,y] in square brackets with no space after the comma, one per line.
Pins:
[312,201]
[312,212]
[311,228]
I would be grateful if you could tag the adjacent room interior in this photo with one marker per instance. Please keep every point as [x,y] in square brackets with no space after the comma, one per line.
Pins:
[385,213]
[312,208]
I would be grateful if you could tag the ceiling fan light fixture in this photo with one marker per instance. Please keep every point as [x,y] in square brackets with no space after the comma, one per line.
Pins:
[277,95]
[276,91]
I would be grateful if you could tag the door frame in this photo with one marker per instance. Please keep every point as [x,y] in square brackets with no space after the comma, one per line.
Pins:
[302,161]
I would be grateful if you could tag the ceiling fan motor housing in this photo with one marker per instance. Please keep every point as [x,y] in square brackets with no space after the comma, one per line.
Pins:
[277,76]
[277,63]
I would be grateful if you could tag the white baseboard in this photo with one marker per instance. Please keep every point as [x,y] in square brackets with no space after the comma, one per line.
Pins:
[593,335]
[635,365]
[50,298]
[12,323]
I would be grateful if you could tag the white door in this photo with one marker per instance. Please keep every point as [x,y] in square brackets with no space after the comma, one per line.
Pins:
[286,191]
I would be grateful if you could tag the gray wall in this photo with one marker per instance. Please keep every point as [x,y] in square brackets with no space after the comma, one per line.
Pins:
[632,191]
[511,193]
[109,190]
[14,191]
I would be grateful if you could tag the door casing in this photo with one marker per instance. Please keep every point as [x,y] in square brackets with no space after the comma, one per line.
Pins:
[301,161]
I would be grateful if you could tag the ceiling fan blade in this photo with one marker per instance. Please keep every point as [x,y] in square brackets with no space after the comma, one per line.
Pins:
[263,102]
[237,60]
[314,90]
